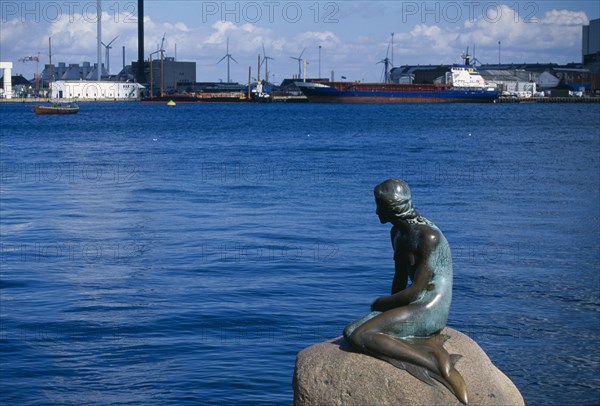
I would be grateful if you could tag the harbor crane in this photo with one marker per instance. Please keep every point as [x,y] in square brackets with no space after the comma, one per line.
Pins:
[160,50]
[35,59]
[470,60]
[162,46]
[162,63]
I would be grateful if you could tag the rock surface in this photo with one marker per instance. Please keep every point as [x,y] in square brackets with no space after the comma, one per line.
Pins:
[330,373]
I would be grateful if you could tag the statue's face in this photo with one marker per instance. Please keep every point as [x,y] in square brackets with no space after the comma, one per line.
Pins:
[384,213]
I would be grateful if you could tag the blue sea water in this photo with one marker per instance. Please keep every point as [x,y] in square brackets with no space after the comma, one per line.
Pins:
[170,256]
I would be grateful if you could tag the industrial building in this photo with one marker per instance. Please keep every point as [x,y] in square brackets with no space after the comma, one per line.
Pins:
[79,80]
[6,91]
[164,76]
[73,71]
[94,90]
[511,82]
[591,46]
[75,81]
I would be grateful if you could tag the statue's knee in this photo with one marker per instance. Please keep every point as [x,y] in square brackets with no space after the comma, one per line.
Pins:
[351,337]
[359,338]
[347,333]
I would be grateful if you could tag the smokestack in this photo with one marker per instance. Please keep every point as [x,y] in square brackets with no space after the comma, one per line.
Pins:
[141,77]
[99,35]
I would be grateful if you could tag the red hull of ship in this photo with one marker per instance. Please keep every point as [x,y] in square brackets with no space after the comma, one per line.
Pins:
[391,100]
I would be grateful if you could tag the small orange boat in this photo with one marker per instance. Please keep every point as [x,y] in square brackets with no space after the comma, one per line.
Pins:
[57,108]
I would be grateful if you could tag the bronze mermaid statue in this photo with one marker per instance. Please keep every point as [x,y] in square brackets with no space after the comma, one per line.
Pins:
[404,327]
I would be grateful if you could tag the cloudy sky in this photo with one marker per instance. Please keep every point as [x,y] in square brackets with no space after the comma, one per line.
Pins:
[353,35]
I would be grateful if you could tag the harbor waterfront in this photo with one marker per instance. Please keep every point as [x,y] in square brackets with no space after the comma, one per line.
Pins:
[155,255]
[302,99]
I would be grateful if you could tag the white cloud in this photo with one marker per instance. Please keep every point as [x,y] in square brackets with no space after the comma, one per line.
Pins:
[315,38]
[557,34]
[565,17]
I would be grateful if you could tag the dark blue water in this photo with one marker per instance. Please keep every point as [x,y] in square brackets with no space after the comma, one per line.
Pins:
[163,256]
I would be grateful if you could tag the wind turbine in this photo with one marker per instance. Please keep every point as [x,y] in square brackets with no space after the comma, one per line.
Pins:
[299,59]
[228,56]
[266,63]
[386,63]
[392,49]
[107,53]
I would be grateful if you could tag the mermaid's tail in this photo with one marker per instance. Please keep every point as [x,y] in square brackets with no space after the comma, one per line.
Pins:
[445,373]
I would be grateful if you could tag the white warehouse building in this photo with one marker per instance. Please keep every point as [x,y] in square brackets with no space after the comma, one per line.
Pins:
[103,90]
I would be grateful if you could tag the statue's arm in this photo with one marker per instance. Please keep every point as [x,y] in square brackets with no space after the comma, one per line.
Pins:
[400,278]
[421,282]
[400,273]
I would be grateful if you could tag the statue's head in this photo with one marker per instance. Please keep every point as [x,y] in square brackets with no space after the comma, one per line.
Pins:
[393,201]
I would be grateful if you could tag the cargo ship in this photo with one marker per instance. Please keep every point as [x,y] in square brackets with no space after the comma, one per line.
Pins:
[463,84]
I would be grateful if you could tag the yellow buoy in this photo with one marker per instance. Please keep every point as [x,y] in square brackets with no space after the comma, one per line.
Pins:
[171,103]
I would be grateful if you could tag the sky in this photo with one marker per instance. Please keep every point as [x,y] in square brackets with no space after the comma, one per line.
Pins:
[353,36]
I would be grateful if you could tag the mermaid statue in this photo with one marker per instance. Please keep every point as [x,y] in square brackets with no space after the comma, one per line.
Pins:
[404,327]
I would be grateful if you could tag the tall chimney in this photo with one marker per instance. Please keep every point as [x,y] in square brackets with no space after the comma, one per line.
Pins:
[141,74]
[99,35]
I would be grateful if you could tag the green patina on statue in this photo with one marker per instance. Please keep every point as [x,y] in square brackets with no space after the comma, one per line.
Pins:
[403,328]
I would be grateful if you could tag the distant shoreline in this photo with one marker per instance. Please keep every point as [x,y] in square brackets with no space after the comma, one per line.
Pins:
[45,100]
[500,100]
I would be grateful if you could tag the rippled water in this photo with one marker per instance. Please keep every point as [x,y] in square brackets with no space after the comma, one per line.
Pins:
[153,255]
